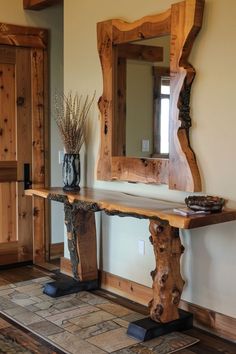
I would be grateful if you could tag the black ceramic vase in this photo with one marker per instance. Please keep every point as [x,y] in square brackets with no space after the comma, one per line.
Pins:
[71,172]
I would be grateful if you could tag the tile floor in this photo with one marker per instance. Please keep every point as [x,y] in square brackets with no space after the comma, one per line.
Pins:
[101,325]
[83,320]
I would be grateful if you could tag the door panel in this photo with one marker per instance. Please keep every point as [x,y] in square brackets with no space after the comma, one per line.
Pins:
[21,142]
[8,212]
[7,112]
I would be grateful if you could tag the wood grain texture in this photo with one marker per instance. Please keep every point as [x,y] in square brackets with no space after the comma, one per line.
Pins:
[167,281]
[81,235]
[56,250]
[86,245]
[7,112]
[182,22]
[145,170]
[25,226]
[140,52]
[38,152]
[8,219]
[23,36]
[39,4]
[24,124]
[31,86]
[123,204]
[184,173]
[8,171]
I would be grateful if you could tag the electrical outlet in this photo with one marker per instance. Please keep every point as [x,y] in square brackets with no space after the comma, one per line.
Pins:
[141,247]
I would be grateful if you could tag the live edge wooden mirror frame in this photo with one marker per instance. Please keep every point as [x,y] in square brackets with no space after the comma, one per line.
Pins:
[181,22]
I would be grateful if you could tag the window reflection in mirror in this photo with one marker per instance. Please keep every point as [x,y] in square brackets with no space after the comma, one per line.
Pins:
[144,83]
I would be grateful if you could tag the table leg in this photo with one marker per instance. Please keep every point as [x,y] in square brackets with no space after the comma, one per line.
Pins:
[167,281]
[81,236]
[167,286]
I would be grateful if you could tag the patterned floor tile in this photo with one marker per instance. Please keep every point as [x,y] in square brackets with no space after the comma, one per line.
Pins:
[60,318]
[95,330]
[121,322]
[134,316]
[15,310]
[6,291]
[113,340]
[5,303]
[47,313]
[91,319]
[72,344]
[91,299]
[115,309]
[135,349]
[43,305]
[45,328]
[23,302]
[26,317]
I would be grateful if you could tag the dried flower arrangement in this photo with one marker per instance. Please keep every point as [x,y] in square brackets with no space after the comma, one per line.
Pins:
[71,116]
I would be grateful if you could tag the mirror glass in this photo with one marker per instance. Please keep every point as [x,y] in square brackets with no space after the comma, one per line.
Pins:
[142,100]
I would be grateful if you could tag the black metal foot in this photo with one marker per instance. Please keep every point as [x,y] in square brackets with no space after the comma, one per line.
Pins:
[69,286]
[146,328]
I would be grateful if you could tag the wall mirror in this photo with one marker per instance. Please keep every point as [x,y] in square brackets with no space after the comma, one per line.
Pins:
[142,95]
[145,105]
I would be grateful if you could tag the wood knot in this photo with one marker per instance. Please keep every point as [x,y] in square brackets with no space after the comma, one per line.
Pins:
[176,296]
[153,273]
[159,228]
[141,35]
[20,101]
[36,211]
[176,232]
[163,279]
[151,239]
[182,249]
[144,161]
[105,129]
[158,310]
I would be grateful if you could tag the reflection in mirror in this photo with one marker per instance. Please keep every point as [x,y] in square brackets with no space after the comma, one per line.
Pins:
[142,101]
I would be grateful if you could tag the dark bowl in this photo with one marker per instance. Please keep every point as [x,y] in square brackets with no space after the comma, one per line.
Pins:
[205,203]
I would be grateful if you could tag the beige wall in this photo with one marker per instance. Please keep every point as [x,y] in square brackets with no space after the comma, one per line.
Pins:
[209,264]
[52,18]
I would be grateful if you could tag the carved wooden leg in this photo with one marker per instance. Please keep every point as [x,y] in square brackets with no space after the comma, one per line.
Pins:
[81,235]
[167,281]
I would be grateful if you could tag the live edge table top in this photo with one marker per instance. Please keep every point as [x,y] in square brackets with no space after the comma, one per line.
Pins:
[123,204]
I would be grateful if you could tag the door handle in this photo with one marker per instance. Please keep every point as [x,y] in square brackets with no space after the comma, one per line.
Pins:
[27,181]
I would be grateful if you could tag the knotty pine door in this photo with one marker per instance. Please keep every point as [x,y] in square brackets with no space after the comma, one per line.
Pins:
[22,149]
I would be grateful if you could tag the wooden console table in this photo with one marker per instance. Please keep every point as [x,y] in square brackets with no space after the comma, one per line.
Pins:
[164,229]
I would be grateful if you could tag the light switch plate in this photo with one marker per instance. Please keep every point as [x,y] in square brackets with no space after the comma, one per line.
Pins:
[60,156]
[141,247]
[145,145]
